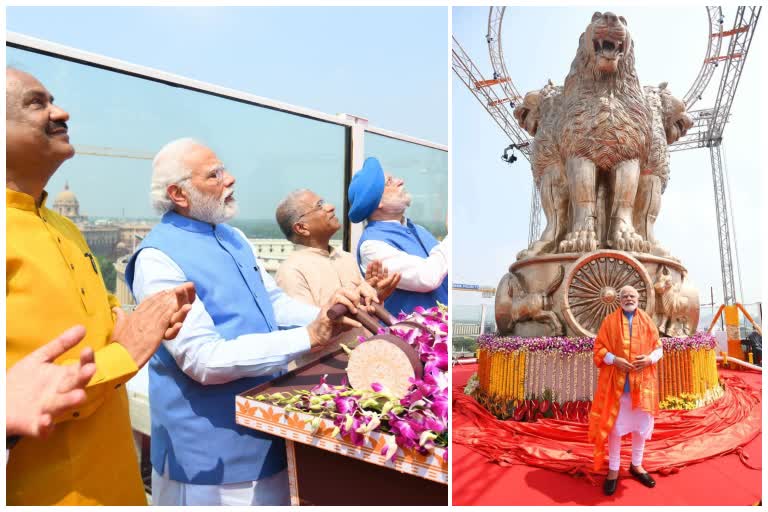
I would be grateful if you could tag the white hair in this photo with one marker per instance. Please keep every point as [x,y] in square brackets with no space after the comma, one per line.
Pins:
[628,288]
[169,168]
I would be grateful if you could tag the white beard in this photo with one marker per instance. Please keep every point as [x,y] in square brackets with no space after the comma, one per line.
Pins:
[396,206]
[212,210]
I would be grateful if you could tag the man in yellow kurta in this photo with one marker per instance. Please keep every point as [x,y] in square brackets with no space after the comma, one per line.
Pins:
[627,395]
[52,283]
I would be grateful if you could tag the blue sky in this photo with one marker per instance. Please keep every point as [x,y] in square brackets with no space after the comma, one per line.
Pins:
[491,198]
[386,64]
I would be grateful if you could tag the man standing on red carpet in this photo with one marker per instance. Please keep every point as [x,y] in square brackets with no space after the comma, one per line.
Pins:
[627,395]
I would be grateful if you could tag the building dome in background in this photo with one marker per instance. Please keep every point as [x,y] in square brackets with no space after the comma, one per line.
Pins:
[66,203]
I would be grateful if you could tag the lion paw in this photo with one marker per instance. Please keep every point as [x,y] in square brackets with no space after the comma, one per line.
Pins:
[584,240]
[625,238]
[536,248]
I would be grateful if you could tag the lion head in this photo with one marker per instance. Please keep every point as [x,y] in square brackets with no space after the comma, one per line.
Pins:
[607,40]
[536,106]
[528,114]
[677,122]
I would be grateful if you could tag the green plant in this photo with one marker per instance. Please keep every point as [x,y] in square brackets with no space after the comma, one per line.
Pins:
[108,273]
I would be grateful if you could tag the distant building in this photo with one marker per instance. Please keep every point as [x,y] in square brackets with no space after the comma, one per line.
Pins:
[102,239]
[466,329]
[66,204]
[122,292]
[105,238]
[273,251]
[472,319]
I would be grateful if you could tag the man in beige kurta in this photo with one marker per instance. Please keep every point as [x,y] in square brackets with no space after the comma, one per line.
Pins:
[315,270]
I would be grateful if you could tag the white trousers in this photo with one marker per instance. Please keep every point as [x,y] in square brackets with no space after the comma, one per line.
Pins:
[614,450]
[636,421]
[273,490]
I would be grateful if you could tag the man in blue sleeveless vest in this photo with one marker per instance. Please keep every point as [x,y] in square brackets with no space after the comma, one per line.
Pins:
[230,342]
[402,246]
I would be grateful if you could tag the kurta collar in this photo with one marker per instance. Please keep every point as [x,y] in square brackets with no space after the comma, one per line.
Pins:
[328,254]
[187,223]
[406,222]
[22,201]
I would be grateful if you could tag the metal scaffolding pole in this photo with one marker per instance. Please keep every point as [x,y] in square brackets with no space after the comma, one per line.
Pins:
[484,91]
[723,232]
[741,38]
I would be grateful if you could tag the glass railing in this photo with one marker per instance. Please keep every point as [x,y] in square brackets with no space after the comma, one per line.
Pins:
[121,114]
[425,172]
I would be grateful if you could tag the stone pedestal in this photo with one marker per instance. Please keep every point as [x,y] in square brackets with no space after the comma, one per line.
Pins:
[569,294]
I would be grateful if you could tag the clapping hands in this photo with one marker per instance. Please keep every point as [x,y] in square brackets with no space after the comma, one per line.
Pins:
[376,275]
[39,389]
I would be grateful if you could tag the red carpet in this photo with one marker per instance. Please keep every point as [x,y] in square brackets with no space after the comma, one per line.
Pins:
[721,480]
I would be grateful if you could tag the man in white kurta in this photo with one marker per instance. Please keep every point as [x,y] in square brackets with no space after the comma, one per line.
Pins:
[403,247]
[637,420]
[199,455]
[315,270]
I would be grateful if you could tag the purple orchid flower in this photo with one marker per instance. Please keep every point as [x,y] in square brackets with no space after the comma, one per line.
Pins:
[421,416]
[440,407]
[345,404]
[322,388]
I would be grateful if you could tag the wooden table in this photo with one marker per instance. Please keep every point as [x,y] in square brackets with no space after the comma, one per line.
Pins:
[325,470]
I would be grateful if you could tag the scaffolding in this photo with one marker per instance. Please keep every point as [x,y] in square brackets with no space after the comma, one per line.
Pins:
[497,94]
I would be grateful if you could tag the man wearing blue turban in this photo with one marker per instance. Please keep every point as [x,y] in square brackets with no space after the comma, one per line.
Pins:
[402,246]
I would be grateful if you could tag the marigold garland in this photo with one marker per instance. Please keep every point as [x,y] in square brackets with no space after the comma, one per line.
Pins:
[514,369]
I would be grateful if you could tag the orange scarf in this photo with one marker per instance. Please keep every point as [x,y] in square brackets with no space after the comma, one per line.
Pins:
[610,383]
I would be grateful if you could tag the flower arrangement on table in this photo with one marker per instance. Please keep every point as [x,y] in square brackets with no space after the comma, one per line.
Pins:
[530,378]
[417,421]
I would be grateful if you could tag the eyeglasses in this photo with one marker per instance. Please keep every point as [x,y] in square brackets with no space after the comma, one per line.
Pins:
[217,174]
[213,174]
[318,206]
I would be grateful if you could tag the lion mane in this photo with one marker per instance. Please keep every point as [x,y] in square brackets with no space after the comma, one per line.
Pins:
[605,115]
[539,115]
[658,156]
[670,121]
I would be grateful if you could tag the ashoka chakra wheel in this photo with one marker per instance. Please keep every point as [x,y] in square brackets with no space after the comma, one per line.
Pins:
[591,288]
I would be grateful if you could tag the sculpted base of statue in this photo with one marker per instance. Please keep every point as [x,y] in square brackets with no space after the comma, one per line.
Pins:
[570,294]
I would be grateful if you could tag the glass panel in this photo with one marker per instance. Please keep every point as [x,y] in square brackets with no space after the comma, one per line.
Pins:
[425,171]
[118,122]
